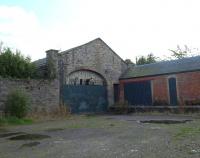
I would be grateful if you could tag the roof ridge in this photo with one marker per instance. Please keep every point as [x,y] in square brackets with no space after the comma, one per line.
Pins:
[65,51]
[165,67]
[168,61]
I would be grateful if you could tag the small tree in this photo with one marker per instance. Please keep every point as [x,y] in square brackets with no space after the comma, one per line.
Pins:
[183,52]
[180,53]
[129,62]
[17,104]
[150,58]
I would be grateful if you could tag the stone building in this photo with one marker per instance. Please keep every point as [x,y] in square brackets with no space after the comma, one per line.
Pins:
[92,77]
[86,75]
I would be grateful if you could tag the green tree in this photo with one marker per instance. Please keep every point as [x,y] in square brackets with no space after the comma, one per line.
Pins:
[129,62]
[180,53]
[150,58]
[15,65]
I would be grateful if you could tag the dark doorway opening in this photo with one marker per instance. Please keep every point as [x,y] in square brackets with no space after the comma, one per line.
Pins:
[172,91]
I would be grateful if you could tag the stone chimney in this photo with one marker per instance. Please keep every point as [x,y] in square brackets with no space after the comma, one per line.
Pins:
[52,63]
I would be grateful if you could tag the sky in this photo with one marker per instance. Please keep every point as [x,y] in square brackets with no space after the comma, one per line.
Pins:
[130,27]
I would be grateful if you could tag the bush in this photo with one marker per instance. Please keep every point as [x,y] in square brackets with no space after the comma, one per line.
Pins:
[15,65]
[17,104]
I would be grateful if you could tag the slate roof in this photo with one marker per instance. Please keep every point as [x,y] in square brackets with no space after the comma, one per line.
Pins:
[40,62]
[165,67]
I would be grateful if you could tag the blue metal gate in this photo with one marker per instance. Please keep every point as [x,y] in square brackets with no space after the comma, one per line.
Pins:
[138,93]
[85,98]
[172,91]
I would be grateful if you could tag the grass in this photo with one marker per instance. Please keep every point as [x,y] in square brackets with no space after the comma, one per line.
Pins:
[14,121]
[92,121]
[187,132]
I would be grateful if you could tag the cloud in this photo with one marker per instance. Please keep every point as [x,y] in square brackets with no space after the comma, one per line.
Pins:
[130,27]
[20,29]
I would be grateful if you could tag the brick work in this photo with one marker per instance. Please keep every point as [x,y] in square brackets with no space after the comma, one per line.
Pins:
[188,88]
[160,90]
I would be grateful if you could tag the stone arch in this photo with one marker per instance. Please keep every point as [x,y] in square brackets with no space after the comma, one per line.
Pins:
[85,77]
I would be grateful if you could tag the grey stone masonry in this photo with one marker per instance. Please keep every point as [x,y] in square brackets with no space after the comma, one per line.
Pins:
[94,56]
[43,94]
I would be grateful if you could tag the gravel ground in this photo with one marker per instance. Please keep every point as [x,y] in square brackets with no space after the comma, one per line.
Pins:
[104,137]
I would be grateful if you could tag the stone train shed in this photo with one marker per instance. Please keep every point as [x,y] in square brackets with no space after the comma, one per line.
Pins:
[168,83]
[92,77]
[86,75]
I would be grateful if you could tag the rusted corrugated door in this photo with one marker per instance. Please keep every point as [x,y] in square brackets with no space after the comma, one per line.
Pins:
[138,93]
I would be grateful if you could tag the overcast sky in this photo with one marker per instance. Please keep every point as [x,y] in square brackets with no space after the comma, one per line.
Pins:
[130,27]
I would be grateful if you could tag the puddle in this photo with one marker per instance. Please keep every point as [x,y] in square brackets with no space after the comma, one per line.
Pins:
[31,144]
[3,135]
[112,125]
[54,129]
[131,120]
[30,137]
[165,121]
[109,118]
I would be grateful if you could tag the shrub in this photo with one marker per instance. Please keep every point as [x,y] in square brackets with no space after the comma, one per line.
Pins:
[17,104]
[15,65]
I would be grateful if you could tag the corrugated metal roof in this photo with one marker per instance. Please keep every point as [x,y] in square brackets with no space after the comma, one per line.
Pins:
[165,67]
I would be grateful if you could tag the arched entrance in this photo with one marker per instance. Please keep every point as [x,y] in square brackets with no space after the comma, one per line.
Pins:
[85,91]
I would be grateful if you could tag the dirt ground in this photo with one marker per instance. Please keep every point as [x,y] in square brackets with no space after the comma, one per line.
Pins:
[105,136]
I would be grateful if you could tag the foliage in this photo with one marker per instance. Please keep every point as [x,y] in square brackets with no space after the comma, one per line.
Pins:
[183,52]
[14,121]
[17,104]
[150,58]
[15,65]
[129,62]
[180,53]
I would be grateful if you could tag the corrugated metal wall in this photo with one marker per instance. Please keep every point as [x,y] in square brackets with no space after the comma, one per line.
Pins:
[138,93]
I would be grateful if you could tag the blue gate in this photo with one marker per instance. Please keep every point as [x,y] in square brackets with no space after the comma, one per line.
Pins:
[138,93]
[85,98]
[172,91]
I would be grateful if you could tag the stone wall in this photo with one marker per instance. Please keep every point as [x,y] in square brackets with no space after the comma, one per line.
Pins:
[95,56]
[44,94]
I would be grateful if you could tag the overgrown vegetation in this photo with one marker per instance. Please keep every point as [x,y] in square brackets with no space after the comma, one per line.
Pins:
[15,65]
[17,104]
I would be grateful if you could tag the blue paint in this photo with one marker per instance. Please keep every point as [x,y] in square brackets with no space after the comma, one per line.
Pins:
[172,91]
[116,92]
[85,98]
[138,93]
